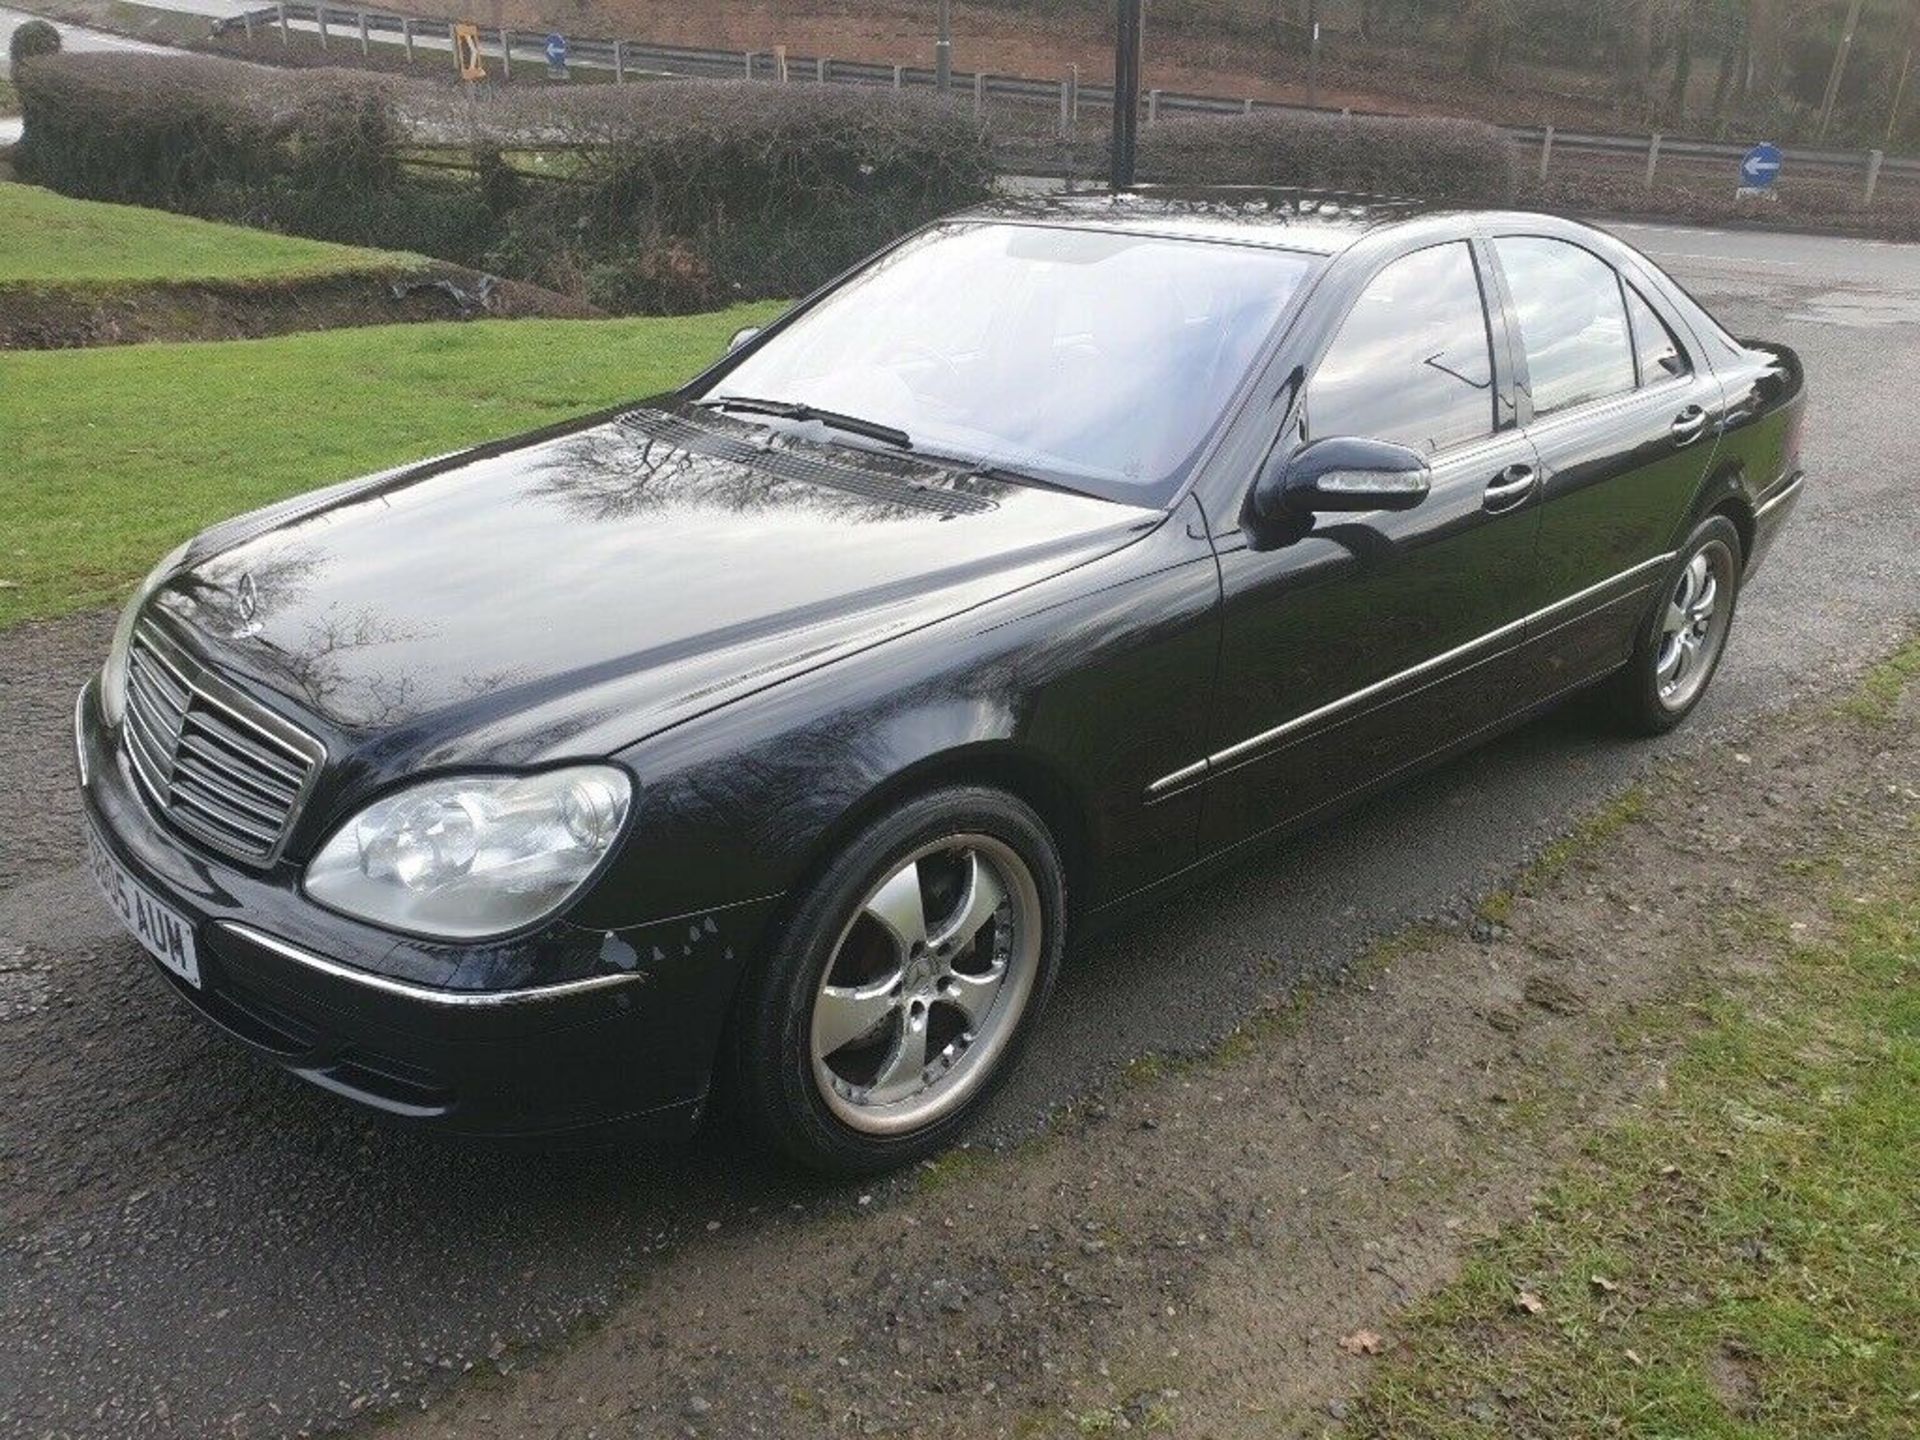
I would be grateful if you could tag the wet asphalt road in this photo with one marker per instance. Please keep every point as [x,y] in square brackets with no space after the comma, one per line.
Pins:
[191,1244]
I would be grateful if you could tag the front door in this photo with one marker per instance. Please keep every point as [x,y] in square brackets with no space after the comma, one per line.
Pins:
[1378,639]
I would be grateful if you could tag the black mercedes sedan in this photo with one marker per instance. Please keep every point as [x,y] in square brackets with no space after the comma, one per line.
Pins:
[769,739]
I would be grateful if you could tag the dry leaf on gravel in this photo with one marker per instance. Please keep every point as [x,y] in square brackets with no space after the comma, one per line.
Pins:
[1361,1342]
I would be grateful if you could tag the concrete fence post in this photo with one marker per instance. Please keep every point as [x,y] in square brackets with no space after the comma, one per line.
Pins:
[1153,107]
[980,93]
[1346,112]
[320,19]
[406,36]
[1246,106]
[1073,93]
[899,76]
[780,63]
[366,43]
[820,70]
[1066,113]
[750,56]
[1653,157]
[1546,152]
[246,20]
[619,62]
[1875,158]
[280,14]
[506,53]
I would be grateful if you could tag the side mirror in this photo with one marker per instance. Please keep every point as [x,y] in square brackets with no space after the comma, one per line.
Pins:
[1342,473]
[741,337]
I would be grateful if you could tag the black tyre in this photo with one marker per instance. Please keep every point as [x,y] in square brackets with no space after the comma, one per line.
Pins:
[903,985]
[1680,645]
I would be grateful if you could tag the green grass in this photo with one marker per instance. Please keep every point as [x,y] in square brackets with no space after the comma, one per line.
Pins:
[1878,695]
[50,240]
[1741,1260]
[114,455]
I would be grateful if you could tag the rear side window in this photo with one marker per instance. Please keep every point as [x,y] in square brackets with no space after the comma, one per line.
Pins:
[1573,322]
[1413,362]
[1655,350]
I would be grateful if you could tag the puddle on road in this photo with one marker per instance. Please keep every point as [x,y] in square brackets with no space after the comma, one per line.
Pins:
[1860,309]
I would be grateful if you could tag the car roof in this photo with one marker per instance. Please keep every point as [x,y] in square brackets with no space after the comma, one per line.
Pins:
[1321,222]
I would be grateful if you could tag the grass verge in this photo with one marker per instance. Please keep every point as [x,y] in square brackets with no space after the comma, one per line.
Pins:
[1741,1258]
[116,454]
[49,241]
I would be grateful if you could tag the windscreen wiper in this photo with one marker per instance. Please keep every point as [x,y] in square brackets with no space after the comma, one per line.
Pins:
[798,410]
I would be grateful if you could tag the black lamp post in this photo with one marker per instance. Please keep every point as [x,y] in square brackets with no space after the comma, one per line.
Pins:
[1126,94]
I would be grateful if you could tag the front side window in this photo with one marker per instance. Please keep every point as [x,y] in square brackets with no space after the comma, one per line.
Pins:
[1097,359]
[1655,350]
[1413,362]
[1573,323]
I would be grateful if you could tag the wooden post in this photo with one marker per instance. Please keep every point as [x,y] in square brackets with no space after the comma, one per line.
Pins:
[320,19]
[619,62]
[1153,107]
[1653,157]
[899,76]
[780,63]
[1073,93]
[246,19]
[750,57]
[980,93]
[365,42]
[820,70]
[506,53]
[1066,112]
[406,36]
[1546,152]
[1874,159]
[285,39]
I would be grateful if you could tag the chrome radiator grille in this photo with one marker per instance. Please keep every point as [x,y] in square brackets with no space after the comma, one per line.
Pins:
[217,766]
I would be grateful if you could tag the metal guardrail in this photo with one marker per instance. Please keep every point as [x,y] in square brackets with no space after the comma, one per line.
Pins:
[642,59]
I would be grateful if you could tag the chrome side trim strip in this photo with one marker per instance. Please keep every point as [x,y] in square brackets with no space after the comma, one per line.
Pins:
[425,994]
[79,734]
[1176,779]
[1791,488]
[1241,748]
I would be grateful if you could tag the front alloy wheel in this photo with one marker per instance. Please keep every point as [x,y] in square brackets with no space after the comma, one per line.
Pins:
[926,985]
[903,985]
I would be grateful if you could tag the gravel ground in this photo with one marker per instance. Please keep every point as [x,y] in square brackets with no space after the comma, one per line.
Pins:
[192,1244]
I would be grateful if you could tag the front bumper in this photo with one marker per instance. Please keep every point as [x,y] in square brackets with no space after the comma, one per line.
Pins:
[625,1042]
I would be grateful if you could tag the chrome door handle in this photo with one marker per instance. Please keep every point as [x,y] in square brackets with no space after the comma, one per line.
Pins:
[1688,425]
[1511,486]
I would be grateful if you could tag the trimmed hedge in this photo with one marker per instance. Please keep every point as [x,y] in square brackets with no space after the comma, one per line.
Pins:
[662,197]
[1455,161]
[32,39]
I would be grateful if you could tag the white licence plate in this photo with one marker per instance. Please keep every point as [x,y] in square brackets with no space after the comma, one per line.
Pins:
[166,935]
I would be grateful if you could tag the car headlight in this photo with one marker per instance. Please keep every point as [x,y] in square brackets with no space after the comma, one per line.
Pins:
[468,856]
[113,675]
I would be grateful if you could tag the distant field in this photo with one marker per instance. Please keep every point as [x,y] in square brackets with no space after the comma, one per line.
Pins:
[51,240]
[114,455]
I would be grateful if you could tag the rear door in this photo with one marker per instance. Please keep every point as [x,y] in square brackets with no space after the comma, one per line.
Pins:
[1377,639]
[1624,418]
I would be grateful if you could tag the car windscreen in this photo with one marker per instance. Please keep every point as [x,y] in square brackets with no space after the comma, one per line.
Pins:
[1094,359]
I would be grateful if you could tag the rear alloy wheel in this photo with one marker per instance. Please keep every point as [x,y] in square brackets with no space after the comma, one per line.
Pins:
[1680,648]
[904,984]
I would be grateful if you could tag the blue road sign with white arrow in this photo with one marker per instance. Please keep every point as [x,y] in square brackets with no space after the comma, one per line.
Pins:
[1760,167]
[557,55]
